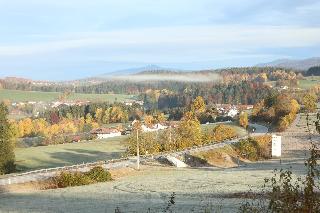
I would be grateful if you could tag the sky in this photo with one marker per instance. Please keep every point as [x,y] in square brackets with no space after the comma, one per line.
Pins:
[72,39]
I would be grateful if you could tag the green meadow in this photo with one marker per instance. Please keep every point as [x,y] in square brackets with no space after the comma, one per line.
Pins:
[18,95]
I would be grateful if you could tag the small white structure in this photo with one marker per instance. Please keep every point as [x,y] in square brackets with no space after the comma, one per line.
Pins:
[276,146]
[233,112]
[176,162]
[103,133]
[153,128]
[131,102]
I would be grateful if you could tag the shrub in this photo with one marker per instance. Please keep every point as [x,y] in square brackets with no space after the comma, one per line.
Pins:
[67,179]
[223,132]
[248,148]
[263,145]
[255,148]
[98,174]
[95,175]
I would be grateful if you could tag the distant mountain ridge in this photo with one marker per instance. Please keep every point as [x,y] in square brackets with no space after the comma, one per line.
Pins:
[138,70]
[303,64]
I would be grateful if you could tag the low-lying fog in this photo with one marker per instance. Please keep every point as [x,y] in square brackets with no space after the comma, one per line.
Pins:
[184,77]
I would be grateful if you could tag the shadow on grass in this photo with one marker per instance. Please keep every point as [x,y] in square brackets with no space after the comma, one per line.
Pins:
[71,157]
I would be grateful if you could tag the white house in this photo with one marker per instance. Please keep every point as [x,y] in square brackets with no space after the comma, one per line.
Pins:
[233,112]
[106,133]
[153,128]
[131,102]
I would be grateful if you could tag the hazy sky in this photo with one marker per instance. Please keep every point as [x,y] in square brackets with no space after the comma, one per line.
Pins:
[69,39]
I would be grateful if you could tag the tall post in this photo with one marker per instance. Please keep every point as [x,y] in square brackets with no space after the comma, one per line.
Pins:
[138,152]
[170,135]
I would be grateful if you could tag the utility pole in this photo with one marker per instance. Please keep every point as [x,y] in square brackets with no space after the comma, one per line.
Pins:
[138,152]
[170,134]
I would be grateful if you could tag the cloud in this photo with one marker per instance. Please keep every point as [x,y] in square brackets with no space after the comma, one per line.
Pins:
[173,41]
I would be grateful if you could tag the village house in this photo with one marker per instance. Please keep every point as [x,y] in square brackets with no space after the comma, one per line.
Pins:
[131,102]
[103,133]
[56,104]
[153,128]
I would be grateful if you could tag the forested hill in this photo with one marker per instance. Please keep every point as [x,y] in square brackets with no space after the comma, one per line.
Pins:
[245,85]
[303,64]
[158,79]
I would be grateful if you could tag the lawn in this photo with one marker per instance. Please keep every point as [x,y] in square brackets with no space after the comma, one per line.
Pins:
[69,154]
[309,82]
[18,95]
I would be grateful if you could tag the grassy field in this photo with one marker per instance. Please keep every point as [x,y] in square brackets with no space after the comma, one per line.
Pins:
[309,82]
[17,95]
[69,154]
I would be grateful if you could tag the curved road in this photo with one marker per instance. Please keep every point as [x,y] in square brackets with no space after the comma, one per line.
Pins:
[259,129]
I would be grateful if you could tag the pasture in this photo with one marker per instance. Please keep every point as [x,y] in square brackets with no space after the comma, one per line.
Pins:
[18,95]
[309,82]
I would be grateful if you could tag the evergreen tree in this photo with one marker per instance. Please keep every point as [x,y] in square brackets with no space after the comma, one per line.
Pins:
[6,143]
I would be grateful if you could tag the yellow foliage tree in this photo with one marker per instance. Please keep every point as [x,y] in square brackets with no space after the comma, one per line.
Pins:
[198,105]
[149,120]
[243,120]
[99,115]
[310,102]
[160,117]
[25,127]
[189,131]
[223,132]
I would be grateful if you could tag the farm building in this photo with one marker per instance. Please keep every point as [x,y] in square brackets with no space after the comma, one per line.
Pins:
[153,128]
[106,132]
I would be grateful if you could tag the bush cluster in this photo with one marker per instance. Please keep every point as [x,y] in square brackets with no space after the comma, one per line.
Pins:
[254,148]
[95,175]
[277,109]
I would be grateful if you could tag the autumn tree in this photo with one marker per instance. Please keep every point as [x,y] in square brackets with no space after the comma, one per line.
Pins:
[189,131]
[198,105]
[223,132]
[310,102]
[98,115]
[243,119]
[262,77]
[6,143]
[117,114]
[160,117]
[149,120]
[25,127]
[106,116]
